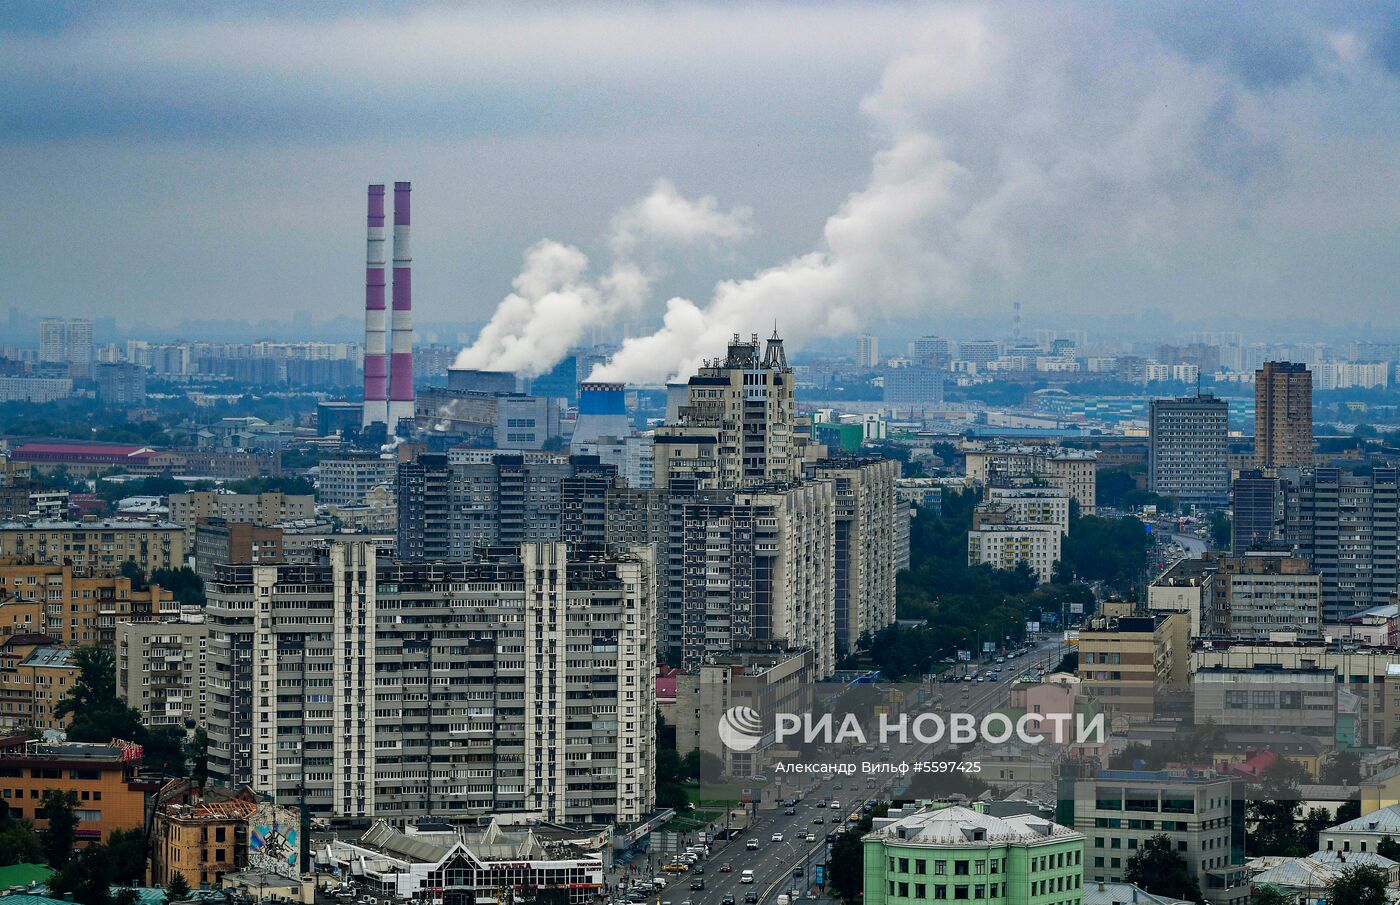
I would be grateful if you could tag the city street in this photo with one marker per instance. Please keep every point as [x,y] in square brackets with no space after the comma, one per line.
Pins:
[773,862]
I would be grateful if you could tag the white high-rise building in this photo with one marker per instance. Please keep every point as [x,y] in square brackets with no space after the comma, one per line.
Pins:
[518,684]
[867,350]
[53,340]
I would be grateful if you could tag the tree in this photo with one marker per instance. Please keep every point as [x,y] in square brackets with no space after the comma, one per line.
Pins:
[98,714]
[847,867]
[1158,869]
[126,896]
[1310,830]
[183,583]
[199,758]
[60,812]
[1363,884]
[1267,895]
[1275,811]
[1342,769]
[1388,848]
[1349,810]
[129,855]
[178,888]
[88,877]
[165,750]
[19,844]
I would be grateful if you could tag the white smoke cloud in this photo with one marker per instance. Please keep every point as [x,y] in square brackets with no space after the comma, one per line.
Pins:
[556,301]
[1054,142]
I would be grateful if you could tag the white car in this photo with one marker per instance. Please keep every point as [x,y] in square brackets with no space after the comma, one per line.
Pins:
[777,837]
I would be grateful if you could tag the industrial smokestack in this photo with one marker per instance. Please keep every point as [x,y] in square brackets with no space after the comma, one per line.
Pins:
[376,372]
[602,412]
[401,357]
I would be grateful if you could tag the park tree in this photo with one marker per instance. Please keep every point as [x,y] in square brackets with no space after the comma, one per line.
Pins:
[1362,884]
[19,844]
[178,888]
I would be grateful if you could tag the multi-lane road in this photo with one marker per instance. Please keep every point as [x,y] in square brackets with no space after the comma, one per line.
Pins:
[774,861]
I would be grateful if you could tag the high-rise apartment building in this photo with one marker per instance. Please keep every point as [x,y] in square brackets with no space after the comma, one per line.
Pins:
[752,568]
[121,383]
[57,600]
[53,340]
[932,351]
[738,426]
[1125,660]
[867,351]
[80,341]
[1188,454]
[517,684]
[865,560]
[1283,415]
[1347,525]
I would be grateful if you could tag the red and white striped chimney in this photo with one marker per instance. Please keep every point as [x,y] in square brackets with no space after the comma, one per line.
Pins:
[401,354]
[376,367]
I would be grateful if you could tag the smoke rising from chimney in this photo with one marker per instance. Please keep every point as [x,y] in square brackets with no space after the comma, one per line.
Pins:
[1001,148]
[556,301]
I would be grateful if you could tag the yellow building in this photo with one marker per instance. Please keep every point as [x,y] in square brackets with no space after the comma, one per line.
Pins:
[1124,659]
[55,600]
[35,675]
[203,840]
[95,548]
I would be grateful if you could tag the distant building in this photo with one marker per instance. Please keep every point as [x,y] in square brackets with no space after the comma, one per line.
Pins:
[35,674]
[220,542]
[865,560]
[1283,429]
[1348,525]
[914,387]
[91,608]
[271,508]
[1125,660]
[203,840]
[526,422]
[1188,456]
[345,480]
[121,383]
[1256,511]
[1005,545]
[867,351]
[961,853]
[35,389]
[338,418]
[1073,470]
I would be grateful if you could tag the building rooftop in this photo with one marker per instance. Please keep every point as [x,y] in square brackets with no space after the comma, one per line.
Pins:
[963,826]
[1386,821]
[96,525]
[50,656]
[1124,894]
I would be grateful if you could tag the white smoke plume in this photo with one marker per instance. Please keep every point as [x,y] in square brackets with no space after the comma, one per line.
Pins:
[557,301]
[1057,142]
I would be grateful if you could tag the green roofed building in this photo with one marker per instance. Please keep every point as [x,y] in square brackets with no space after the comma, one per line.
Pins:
[24,875]
[962,854]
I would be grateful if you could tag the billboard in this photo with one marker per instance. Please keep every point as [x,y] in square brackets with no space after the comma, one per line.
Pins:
[274,840]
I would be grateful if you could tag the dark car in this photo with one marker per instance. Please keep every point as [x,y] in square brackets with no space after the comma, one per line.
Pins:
[727,900]
[697,883]
[797,871]
[750,897]
[818,819]
[790,811]
[698,869]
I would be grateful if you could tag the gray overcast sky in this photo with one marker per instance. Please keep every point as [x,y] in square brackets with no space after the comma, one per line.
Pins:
[166,162]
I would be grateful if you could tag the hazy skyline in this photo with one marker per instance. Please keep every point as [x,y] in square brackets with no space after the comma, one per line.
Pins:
[1234,160]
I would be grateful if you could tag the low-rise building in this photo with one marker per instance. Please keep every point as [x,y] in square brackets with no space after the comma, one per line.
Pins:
[434,863]
[1118,811]
[1005,545]
[1364,833]
[960,853]
[1125,660]
[204,840]
[110,797]
[35,674]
